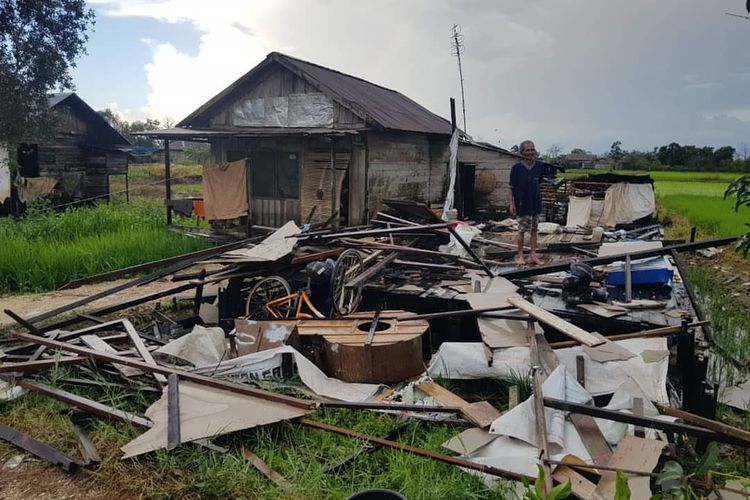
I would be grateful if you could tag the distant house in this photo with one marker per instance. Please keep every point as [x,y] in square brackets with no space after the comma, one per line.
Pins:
[319,142]
[580,160]
[77,162]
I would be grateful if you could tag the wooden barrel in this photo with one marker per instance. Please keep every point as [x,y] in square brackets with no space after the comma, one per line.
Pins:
[394,354]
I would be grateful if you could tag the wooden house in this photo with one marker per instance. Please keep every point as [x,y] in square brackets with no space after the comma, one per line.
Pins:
[319,142]
[84,151]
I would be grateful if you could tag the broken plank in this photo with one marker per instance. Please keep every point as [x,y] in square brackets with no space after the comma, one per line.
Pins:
[581,487]
[164,370]
[560,324]
[487,469]
[41,450]
[541,427]
[631,453]
[481,414]
[708,423]
[97,344]
[265,469]
[141,348]
[173,411]
[40,364]
[87,405]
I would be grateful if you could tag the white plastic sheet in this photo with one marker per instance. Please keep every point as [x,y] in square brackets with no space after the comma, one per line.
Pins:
[467,360]
[267,364]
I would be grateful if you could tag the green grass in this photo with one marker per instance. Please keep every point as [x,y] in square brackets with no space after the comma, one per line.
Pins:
[300,454]
[713,215]
[662,175]
[46,250]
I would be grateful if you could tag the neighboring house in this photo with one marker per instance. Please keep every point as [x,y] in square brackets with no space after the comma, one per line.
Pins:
[318,141]
[84,152]
[579,160]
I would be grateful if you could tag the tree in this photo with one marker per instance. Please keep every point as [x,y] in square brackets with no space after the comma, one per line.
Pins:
[39,42]
[740,189]
[553,152]
[127,129]
[579,151]
[615,151]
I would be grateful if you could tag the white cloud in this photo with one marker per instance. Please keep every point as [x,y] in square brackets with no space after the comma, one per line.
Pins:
[578,72]
[121,113]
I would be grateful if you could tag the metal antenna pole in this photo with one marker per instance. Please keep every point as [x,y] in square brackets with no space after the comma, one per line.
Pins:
[457,41]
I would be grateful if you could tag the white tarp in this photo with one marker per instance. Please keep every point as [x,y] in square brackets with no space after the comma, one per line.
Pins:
[453,147]
[467,360]
[266,364]
[201,347]
[642,200]
[579,211]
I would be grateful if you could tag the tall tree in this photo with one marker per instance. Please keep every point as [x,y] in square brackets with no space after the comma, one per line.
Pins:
[615,151]
[39,42]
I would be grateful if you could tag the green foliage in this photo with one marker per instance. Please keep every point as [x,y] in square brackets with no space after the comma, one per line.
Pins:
[740,189]
[622,488]
[615,151]
[46,249]
[127,129]
[39,42]
[675,483]
[536,492]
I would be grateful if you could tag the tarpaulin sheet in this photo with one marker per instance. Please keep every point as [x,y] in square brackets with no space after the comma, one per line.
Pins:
[225,190]
[467,360]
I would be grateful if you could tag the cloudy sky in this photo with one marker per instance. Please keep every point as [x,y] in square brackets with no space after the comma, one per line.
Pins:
[576,73]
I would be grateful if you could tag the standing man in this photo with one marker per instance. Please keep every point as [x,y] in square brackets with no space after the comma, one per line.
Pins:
[526,199]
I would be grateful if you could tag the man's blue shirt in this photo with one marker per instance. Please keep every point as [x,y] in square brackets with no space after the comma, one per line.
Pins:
[524,183]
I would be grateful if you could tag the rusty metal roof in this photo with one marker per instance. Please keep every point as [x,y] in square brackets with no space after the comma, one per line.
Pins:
[378,105]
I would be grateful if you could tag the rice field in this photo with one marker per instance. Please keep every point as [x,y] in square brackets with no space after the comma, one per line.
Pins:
[697,196]
[45,250]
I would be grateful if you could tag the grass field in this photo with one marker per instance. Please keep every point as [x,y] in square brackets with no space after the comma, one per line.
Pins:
[696,196]
[46,250]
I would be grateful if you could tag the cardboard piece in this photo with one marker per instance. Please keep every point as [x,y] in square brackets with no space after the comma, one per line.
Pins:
[206,412]
[469,441]
[632,453]
[497,333]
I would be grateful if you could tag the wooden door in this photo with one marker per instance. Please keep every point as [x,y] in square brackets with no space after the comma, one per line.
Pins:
[274,187]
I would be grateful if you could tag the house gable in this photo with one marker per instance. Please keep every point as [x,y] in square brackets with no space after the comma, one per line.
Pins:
[277,97]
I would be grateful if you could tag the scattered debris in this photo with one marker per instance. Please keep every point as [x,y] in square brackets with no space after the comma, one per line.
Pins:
[300,319]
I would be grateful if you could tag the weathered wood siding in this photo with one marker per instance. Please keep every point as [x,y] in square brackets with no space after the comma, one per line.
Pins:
[316,186]
[398,166]
[492,162]
[439,158]
[272,102]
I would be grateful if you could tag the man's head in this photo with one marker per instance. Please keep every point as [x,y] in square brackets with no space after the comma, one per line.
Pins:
[527,150]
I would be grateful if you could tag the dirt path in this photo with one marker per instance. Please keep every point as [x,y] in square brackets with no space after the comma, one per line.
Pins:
[22,483]
[32,304]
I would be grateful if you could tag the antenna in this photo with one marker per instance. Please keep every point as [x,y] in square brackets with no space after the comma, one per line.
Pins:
[457,48]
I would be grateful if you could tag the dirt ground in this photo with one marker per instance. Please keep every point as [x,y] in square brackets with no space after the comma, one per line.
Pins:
[28,305]
[24,482]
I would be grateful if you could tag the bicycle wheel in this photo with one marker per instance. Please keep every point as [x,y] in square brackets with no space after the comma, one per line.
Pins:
[264,291]
[346,299]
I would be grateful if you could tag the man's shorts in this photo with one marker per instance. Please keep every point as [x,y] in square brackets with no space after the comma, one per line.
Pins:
[528,223]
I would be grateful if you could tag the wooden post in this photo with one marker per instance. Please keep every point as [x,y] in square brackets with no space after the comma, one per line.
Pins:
[168,181]
[628,279]
[334,208]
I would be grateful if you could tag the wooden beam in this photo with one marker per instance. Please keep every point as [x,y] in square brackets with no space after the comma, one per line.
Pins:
[541,427]
[41,450]
[164,370]
[173,412]
[546,317]
[487,469]
[40,364]
[265,469]
[714,425]
[142,350]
